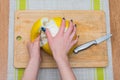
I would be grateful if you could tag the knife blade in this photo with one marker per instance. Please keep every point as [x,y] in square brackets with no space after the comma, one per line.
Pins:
[90,43]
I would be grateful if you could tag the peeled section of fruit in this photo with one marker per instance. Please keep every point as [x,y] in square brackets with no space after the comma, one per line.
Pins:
[53,25]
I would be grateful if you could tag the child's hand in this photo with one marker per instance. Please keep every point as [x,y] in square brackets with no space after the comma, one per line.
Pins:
[32,69]
[63,41]
[34,48]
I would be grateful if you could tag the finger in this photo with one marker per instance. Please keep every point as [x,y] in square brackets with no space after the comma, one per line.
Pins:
[74,42]
[73,33]
[37,39]
[49,36]
[70,38]
[62,27]
[70,29]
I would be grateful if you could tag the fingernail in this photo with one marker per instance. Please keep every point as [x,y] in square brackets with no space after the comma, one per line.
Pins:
[71,20]
[43,29]
[75,25]
[63,18]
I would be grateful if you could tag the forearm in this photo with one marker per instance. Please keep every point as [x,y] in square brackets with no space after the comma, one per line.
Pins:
[65,69]
[31,72]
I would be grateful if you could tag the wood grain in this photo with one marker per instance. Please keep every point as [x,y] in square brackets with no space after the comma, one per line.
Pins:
[4,11]
[115,29]
[90,25]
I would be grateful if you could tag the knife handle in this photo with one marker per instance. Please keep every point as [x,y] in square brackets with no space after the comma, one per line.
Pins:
[84,46]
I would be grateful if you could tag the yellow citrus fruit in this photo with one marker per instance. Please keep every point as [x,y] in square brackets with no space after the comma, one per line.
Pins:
[53,25]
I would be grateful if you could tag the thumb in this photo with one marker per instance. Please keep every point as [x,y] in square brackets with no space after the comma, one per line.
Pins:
[37,41]
[49,36]
[38,38]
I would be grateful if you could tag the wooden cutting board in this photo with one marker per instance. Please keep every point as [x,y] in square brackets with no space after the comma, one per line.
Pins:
[90,25]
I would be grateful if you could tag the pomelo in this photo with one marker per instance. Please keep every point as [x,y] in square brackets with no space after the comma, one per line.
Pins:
[53,25]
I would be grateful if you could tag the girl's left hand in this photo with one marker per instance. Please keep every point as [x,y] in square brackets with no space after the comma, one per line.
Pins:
[34,48]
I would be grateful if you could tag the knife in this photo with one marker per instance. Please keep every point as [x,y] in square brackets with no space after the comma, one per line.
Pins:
[90,43]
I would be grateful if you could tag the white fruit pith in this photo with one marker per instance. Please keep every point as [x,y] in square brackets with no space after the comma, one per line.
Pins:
[51,25]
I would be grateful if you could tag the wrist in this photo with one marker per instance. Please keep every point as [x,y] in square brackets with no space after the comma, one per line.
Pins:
[60,58]
[35,58]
